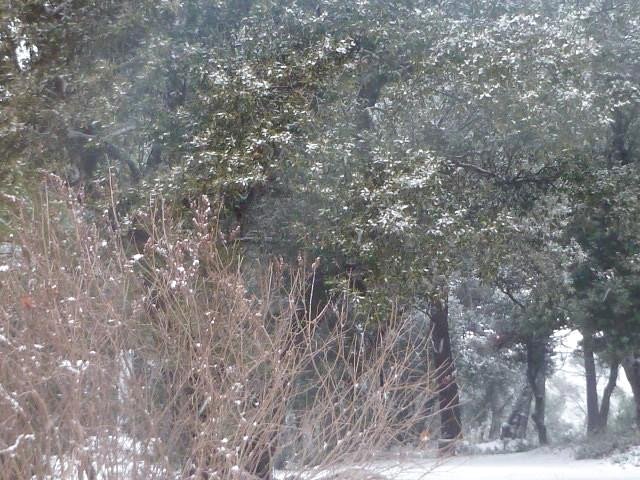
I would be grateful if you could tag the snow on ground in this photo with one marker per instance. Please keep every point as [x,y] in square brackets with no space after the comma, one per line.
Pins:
[110,457]
[539,464]
[630,457]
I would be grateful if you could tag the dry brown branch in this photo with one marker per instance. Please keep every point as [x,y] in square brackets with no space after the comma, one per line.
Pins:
[165,364]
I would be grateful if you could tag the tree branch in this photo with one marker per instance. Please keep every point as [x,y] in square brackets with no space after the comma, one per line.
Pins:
[509,294]
[536,177]
[109,148]
[53,11]
[479,170]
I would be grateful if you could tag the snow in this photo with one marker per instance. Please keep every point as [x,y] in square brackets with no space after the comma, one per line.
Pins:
[11,399]
[111,457]
[494,447]
[630,457]
[539,464]
[12,448]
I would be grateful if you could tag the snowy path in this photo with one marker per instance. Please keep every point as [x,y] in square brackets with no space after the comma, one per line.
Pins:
[533,465]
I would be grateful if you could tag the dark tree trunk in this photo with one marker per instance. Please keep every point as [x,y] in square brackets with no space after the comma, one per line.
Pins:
[450,422]
[593,413]
[597,416]
[631,365]
[606,395]
[536,345]
[516,426]
[262,467]
[537,377]
[620,129]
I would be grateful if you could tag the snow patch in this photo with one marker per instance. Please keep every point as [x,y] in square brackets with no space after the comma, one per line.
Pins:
[630,457]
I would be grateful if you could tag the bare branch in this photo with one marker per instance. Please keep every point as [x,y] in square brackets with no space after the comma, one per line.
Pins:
[509,294]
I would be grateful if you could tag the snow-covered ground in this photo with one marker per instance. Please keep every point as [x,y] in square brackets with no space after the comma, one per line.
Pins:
[533,465]
[539,464]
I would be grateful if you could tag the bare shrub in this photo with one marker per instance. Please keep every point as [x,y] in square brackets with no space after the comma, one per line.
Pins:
[155,360]
[68,302]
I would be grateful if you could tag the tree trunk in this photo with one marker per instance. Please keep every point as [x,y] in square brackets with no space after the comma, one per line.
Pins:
[606,395]
[450,422]
[597,416]
[537,376]
[516,426]
[593,413]
[631,365]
